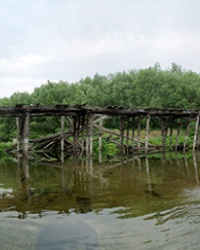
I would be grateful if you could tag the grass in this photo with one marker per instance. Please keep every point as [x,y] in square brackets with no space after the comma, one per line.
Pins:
[154,137]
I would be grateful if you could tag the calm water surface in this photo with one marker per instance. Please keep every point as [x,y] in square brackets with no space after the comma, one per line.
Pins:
[147,203]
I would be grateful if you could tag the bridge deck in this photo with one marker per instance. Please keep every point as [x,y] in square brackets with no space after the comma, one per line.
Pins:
[60,110]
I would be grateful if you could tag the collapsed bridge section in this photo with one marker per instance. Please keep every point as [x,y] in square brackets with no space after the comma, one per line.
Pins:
[84,120]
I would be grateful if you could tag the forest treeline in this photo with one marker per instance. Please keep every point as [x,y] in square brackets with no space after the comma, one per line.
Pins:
[151,87]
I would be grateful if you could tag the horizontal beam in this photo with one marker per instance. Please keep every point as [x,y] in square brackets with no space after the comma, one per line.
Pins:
[66,110]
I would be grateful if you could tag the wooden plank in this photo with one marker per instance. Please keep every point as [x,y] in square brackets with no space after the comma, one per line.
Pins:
[24,112]
[67,110]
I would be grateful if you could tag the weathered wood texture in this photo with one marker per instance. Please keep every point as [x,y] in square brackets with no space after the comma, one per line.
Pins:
[66,110]
[82,121]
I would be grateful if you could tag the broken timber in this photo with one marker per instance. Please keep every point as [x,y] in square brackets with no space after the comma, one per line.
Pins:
[82,122]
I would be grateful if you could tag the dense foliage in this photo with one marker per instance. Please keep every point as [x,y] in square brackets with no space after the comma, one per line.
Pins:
[151,87]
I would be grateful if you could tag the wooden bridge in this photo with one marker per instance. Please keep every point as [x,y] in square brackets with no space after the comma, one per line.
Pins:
[84,120]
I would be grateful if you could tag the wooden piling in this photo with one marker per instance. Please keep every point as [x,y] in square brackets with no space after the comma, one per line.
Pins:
[186,136]
[133,133]
[83,133]
[18,134]
[122,134]
[62,138]
[196,133]
[76,128]
[148,118]
[177,135]
[79,118]
[166,128]
[75,136]
[163,134]
[90,135]
[138,135]
[170,133]
[87,136]
[79,127]
[24,133]
[100,139]
[127,135]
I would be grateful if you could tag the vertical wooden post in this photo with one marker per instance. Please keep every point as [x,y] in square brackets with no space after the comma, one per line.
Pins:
[91,135]
[163,135]
[170,133]
[100,139]
[74,136]
[82,132]
[18,134]
[76,132]
[122,134]
[133,134]
[138,136]
[186,136]
[127,135]
[24,133]
[87,136]
[148,118]
[79,143]
[166,128]
[177,136]
[62,138]
[89,140]
[196,133]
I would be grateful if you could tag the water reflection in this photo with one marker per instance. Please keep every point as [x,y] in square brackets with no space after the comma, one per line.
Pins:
[145,185]
[73,235]
[144,203]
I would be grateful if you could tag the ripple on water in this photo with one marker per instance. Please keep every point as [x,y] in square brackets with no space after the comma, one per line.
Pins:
[179,227]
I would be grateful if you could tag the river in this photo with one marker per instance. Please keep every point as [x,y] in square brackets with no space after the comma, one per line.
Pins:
[150,202]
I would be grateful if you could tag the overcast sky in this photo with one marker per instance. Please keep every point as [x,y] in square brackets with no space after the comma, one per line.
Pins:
[70,39]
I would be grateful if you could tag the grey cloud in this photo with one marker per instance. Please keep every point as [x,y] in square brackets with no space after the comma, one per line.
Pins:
[65,39]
